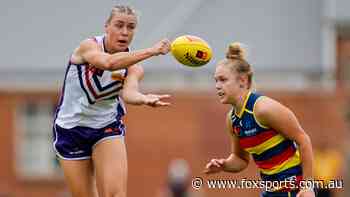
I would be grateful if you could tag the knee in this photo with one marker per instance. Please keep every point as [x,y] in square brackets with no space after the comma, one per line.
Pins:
[83,194]
[113,192]
[119,194]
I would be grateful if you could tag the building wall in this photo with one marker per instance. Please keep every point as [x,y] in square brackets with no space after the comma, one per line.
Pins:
[192,128]
[343,62]
[340,11]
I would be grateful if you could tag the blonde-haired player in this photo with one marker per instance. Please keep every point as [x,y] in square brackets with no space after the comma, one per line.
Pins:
[263,128]
[88,130]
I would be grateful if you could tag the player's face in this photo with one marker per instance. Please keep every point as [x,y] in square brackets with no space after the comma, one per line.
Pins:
[120,32]
[226,84]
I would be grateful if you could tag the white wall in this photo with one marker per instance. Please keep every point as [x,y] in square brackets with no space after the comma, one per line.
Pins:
[283,35]
[341,10]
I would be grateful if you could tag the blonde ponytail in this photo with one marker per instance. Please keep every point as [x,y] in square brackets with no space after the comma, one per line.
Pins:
[236,59]
[235,51]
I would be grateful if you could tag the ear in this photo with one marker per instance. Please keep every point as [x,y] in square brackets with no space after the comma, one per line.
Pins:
[242,80]
[105,27]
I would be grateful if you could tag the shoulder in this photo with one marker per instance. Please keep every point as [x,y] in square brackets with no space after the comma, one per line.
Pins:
[88,43]
[83,47]
[266,106]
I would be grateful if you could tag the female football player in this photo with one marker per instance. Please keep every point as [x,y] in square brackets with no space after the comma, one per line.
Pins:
[263,128]
[88,130]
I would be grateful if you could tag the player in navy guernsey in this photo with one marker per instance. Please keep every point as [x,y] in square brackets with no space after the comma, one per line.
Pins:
[261,128]
[88,130]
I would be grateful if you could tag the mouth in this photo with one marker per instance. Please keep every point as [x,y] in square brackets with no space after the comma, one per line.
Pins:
[122,42]
[220,94]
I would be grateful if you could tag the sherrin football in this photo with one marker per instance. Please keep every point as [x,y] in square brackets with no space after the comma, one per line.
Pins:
[191,50]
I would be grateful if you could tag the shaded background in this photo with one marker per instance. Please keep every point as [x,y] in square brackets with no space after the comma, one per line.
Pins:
[300,52]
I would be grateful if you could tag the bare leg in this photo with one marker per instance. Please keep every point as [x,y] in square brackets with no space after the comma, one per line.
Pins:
[79,175]
[110,161]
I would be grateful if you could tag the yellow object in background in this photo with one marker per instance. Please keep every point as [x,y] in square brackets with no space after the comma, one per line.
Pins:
[191,51]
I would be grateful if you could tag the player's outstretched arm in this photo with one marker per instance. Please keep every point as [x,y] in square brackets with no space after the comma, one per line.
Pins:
[90,52]
[132,95]
[237,161]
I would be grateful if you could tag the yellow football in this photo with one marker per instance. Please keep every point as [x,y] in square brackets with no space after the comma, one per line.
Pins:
[191,50]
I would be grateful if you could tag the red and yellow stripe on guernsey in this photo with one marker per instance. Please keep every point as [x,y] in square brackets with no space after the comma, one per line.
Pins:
[264,141]
[261,142]
[277,159]
[291,162]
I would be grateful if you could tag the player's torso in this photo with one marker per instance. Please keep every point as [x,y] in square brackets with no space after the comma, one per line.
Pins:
[91,96]
[276,156]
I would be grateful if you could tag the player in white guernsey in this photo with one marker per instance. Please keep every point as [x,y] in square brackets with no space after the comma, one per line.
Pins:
[88,130]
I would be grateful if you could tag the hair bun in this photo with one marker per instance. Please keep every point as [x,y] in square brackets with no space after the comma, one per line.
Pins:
[235,51]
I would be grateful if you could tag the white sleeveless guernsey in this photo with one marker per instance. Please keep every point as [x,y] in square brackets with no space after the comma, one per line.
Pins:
[90,96]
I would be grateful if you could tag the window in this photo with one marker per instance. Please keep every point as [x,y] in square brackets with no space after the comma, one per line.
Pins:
[35,155]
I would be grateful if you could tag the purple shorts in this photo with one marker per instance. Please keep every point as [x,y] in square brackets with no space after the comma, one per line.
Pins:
[78,142]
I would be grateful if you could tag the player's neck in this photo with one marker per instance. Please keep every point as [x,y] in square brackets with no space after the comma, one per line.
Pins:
[107,47]
[238,105]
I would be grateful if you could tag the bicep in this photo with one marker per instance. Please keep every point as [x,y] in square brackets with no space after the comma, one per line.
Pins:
[90,52]
[283,120]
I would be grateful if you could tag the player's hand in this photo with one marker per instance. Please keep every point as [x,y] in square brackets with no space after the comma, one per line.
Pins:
[306,193]
[155,100]
[214,166]
[162,47]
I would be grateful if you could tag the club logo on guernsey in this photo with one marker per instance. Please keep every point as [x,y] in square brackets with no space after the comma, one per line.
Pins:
[246,131]
[249,129]
[250,132]
[236,130]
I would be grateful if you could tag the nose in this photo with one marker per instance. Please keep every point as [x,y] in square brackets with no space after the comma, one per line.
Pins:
[217,86]
[124,30]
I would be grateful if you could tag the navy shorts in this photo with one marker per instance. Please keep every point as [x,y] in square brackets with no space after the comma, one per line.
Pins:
[78,142]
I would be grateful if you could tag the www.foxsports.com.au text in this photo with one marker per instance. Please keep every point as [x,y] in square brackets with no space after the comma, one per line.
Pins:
[198,183]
